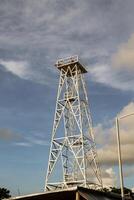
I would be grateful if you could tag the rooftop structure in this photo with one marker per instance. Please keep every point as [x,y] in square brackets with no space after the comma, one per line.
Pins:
[77,193]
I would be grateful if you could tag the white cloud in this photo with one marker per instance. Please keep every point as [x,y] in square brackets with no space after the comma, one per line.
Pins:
[106,137]
[124,57]
[19,68]
[120,72]
[107,174]
[23,70]
[107,146]
[108,177]
[106,75]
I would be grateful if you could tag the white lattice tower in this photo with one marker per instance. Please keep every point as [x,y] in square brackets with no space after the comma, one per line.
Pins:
[73,149]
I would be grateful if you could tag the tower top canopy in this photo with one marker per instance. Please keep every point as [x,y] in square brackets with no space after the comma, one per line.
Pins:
[70,61]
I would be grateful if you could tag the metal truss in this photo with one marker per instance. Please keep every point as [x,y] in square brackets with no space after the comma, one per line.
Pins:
[72,144]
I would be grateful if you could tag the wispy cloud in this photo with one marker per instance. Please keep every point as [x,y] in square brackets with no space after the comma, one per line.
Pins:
[23,70]
[18,139]
[17,68]
[32,140]
[37,140]
[22,144]
[106,75]
[34,34]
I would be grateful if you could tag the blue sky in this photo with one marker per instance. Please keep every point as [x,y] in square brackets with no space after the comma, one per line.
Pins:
[33,35]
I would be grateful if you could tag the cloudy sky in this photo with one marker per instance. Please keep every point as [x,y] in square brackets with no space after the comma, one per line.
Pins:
[33,35]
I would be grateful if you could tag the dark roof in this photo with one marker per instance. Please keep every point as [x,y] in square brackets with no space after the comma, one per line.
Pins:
[78,193]
[58,194]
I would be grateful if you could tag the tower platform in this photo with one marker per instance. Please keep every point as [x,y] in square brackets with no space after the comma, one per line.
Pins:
[70,62]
